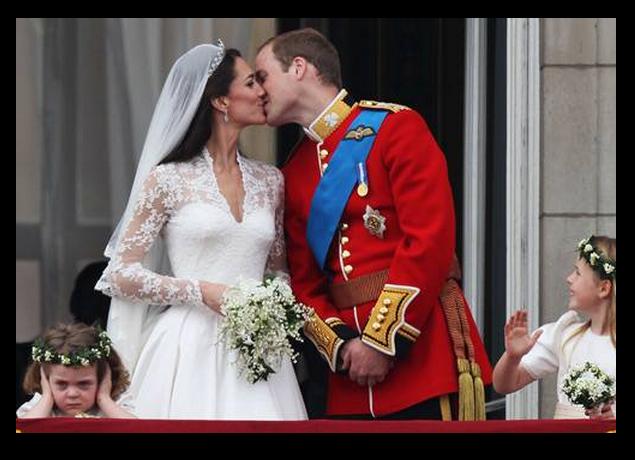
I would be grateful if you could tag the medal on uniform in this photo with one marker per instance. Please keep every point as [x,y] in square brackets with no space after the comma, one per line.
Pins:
[374,222]
[362,187]
[362,190]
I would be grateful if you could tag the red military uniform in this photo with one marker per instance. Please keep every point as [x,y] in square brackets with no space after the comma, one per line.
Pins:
[403,227]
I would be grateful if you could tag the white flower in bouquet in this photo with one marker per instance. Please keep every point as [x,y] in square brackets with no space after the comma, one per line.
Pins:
[260,320]
[587,385]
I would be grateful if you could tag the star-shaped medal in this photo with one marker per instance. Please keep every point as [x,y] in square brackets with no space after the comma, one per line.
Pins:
[374,222]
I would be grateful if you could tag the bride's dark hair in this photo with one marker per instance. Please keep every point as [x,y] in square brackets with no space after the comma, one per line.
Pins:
[201,127]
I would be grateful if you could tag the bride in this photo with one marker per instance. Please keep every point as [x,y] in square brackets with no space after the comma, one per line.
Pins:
[199,216]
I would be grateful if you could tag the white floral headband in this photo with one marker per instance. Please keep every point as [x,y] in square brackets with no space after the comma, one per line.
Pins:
[602,264]
[42,352]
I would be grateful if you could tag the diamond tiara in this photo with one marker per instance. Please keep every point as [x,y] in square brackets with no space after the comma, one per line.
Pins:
[216,60]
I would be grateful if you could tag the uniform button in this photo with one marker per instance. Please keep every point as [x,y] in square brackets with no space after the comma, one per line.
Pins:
[387,301]
[344,239]
[345,254]
[383,310]
[324,153]
[344,226]
[348,269]
[381,318]
[324,166]
[376,326]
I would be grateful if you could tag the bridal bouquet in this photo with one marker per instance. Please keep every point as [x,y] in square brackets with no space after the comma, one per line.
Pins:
[260,319]
[587,385]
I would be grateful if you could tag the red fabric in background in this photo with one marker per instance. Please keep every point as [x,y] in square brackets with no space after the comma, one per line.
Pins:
[103,425]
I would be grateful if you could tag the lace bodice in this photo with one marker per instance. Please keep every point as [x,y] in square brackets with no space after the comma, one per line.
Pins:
[182,203]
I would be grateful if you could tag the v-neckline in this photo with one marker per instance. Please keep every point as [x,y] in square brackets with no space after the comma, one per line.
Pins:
[228,208]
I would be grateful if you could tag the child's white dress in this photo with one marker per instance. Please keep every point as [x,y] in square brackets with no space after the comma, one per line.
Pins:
[548,356]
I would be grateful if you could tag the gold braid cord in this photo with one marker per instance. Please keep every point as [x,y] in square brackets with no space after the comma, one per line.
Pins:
[471,388]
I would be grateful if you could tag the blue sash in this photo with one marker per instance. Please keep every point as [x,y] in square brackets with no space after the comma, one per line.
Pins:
[346,168]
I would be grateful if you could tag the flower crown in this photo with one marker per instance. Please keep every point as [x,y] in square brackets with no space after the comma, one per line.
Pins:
[218,57]
[42,352]
[596,259]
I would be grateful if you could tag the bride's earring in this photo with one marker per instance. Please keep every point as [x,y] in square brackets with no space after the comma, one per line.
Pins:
[225,117]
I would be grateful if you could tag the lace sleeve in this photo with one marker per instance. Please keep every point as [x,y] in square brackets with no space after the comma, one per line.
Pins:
[125,275]
[277,260]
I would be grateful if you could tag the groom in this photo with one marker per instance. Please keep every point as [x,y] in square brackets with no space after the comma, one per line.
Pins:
[369,220]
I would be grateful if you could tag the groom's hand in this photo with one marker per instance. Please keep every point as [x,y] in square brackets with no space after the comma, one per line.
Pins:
[366,365]
[345,357]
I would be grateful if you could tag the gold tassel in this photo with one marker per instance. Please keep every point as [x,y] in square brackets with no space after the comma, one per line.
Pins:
[466,391]
[479,392]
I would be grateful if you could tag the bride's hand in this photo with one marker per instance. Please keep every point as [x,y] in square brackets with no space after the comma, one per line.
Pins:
[213,295]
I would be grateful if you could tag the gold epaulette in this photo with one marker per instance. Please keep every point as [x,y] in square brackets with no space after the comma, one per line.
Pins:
[394,108]
[387,318]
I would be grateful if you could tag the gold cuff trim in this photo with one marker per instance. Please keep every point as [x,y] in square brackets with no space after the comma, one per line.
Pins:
[388,316]
[409,332]
[324,338]
[332,322]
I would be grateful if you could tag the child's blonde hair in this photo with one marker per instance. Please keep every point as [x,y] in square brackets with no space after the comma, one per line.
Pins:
[72,338]
[607,247]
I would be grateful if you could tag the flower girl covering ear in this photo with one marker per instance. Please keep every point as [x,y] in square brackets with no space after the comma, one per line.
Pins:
[76,373]
[571,342]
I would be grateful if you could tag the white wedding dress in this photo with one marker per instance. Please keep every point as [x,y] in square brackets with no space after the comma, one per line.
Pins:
[183,370]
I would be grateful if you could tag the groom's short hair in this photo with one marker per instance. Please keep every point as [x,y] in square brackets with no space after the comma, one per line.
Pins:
[312,46]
